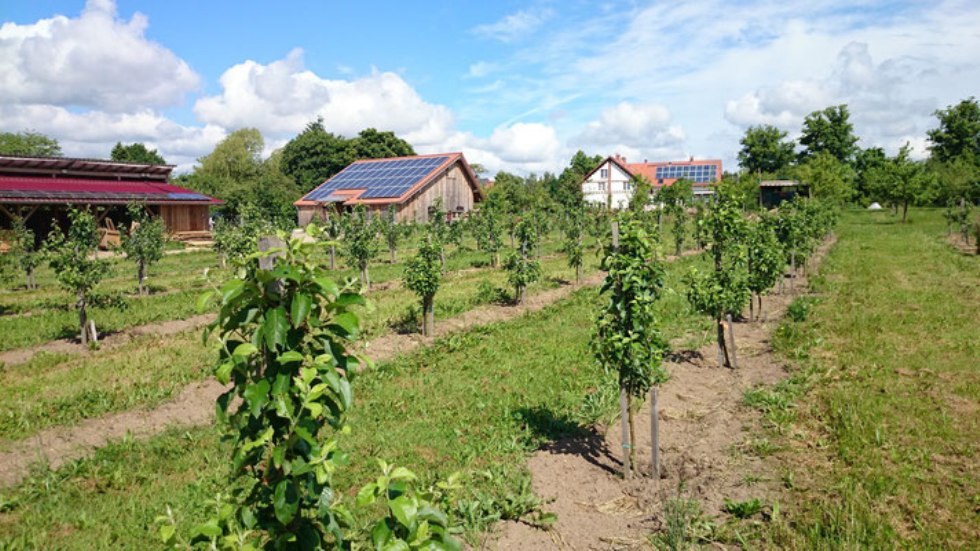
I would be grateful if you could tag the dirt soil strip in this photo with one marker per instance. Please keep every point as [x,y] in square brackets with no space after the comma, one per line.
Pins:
[703,425]
[108,342]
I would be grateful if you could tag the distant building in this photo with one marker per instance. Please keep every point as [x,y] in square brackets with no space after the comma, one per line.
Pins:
[773,192]
[40,190]
[611,183]
[411,184]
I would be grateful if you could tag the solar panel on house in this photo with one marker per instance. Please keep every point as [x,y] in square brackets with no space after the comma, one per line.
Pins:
[378,179]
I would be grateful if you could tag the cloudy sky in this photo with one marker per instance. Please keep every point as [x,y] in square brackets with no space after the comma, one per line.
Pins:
[515,85]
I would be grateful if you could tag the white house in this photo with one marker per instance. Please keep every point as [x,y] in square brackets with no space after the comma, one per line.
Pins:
[609,184]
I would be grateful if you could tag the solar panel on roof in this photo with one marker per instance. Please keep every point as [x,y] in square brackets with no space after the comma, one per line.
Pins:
[379,179]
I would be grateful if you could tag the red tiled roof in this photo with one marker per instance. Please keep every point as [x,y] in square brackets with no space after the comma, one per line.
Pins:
[34,189]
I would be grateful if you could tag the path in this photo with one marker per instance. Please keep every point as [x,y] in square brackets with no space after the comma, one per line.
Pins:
[702,424]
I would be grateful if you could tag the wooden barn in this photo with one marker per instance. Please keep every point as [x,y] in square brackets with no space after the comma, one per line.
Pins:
[411,184]
[40,189]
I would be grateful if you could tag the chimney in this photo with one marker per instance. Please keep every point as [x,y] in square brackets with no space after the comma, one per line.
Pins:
[692,158]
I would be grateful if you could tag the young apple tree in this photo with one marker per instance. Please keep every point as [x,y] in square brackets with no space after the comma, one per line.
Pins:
[72,257]
[144,241]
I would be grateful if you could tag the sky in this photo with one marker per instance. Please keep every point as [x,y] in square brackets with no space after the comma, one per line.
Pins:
[515,85]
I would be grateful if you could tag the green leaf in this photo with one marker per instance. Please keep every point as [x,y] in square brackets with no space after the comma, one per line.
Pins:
[349,299]
[167,532]
[223,372]
[404,510]
[203,300]
[274,327]
[285,501]
[209,529]
[327,285]
[380,535]
[347,321]
[245,349]
[231,290]
[290,356]
[366,495]
[401,473]
[300,308]
[257,396]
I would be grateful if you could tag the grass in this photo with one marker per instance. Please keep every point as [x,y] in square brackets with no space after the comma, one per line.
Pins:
[880,422]
[477,402]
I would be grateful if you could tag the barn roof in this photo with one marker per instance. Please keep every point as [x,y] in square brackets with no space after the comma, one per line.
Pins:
[56,189]
[73,166]
[387,181]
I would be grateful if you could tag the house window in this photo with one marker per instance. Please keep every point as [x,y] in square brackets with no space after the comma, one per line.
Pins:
[604,173]
[602,186]
[627,186]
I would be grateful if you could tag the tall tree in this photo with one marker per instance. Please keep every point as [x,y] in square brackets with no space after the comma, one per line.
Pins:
[136,153]
[829,131]
[827,177]
[902,181]
[865,163]
[958,134]
[29,143]
[765,149]
[568,190]
[372,144]
[315,155]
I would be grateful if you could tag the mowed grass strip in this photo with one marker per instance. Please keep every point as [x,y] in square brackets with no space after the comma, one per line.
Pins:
[887,439]
[477,402]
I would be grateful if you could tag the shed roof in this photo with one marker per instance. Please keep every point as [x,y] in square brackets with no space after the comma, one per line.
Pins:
[48,189]
[73,166]
[779,183]
[387,181]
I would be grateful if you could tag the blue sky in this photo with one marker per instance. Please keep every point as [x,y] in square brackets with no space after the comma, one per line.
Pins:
[515,85]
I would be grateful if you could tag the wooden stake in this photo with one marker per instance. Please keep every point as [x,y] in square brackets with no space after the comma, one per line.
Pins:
[624,415]
[731,340]
[654,434]
[268,262]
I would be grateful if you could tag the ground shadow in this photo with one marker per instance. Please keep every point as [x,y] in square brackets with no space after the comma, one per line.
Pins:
[565,436]
[693,357]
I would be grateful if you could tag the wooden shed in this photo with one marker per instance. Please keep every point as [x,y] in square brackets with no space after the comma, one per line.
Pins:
[411,184]
[40,189]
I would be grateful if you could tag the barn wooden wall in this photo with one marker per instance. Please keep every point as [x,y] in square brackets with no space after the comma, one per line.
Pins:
[453,189]
[183,218]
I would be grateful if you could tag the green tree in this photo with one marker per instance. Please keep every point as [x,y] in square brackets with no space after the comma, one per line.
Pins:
[31,144]
[143,242]
[315,155]
[26,251]
[136,153]
[642,194]
[360,245]
[902,181]
[568,185]
[827,177]
[391,230]
[958,135]
[488,228]
[627,340]
[765,149]
[573,244]
[723,292]
[372,144]
[521,270]
[674,200]
[829,131]
[865,163]
[423,273]
[72,257]
[765,258]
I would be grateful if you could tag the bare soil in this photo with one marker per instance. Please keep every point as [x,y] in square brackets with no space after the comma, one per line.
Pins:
[956,240]
[705,436]
[107,342]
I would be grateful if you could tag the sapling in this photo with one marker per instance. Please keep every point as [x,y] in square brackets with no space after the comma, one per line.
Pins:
[29,256]
[392,231]
[423,273]
[572,245]
[72,257]
[360,244]
[723,292]
[627,339]
[488,231]
[765,259]
[144,242]
[522,271]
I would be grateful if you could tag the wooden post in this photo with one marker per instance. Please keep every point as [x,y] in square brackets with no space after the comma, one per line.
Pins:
[268,262]
[654,434]
[731,340]
[92,333]
[624,415]
[792,277]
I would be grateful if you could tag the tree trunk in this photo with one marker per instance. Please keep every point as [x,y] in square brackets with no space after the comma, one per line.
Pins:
[141,276]
[520,295]
[428,315]
[731,343]
[905,211]
[393,253]
[792,278]
[720,337]
[333,254]
[82,318]
[751,307]
[365,277]
[578,274]
[495,259]
[760,306]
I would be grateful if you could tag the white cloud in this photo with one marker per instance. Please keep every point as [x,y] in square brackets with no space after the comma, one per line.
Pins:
[282,97]
[95,61]
[93,133]
[635,131]
[515,26]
